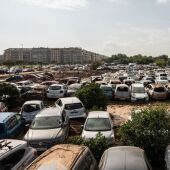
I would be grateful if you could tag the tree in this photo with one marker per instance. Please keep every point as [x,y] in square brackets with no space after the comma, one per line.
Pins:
[8,89]
[96,64]
[148,129]
[91,95]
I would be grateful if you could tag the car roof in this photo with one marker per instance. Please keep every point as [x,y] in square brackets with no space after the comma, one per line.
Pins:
[57,85]
[69,100]
[51,111]
[125,158]
[11,144]
[122,85]
[33,102]
[61,156]
[98,114]
[137,85]
[5,116]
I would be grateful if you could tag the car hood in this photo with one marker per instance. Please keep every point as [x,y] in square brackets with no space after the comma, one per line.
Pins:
[42,134]
[30,113]
[139,95]
[92,134]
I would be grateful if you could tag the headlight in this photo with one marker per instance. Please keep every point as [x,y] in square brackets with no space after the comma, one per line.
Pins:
[133,98]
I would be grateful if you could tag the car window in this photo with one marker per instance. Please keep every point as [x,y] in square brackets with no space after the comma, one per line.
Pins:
[123,89]
[98,124]
[159,89]
[59,102]
[54,87]
[2,130]
[82,164]
[31,108]
[73,106]
[11,123]
[50,122]
[10,161]
[101,162]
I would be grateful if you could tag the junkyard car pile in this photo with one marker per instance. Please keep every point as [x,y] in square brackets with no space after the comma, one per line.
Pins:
[48,127]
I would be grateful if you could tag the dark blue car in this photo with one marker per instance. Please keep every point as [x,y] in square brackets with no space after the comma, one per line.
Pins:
[10,124]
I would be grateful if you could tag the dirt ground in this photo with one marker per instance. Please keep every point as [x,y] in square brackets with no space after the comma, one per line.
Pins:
[121,111]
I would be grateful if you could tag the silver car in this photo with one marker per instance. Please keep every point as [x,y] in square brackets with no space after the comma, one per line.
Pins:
[124,158]
[50,127]
[15,154]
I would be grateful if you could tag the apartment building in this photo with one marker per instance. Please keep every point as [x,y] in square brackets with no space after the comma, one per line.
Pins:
[72,55]
[2,58]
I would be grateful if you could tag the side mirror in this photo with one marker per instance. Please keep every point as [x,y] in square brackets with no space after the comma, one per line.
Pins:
[27,125]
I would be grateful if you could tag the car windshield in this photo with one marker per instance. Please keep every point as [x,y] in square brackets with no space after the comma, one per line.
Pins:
[123,89]
[1,128]
[73,106]
[98,124]
[106,88]
[50,122]
[159,89]
[163,78]
[138,90]
[31,108]
[54,87]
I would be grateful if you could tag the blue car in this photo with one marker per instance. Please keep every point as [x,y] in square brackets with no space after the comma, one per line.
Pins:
[10,124]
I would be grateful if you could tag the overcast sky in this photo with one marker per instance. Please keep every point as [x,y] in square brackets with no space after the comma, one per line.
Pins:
[104,26]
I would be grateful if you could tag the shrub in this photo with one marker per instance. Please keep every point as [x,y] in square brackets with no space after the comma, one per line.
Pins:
[92,96]
[150,130]
[97,145]
[9,93]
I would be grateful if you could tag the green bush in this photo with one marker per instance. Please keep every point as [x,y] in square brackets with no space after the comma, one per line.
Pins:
[92,96]
[97,145]
[150,130]
[9,94]
[8,89]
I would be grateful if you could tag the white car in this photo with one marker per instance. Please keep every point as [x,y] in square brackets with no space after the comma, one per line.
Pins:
[122,92]
[162,80]
[30,109]
[98,121]
[72,106]
[56,91]
[138,93]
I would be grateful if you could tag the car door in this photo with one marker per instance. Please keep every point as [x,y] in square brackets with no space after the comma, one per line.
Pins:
[12,126]
[13,160]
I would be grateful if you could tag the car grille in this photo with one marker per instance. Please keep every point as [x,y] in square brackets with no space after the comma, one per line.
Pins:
[39,144]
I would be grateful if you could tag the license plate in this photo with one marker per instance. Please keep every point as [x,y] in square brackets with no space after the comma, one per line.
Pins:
[73,112]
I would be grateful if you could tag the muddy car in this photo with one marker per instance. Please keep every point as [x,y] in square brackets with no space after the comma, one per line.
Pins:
[36,93]
[156,92]
[65,157]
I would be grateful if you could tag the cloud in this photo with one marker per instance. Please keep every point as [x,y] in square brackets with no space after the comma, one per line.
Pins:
[138,40]
[57,4]
[162,1]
